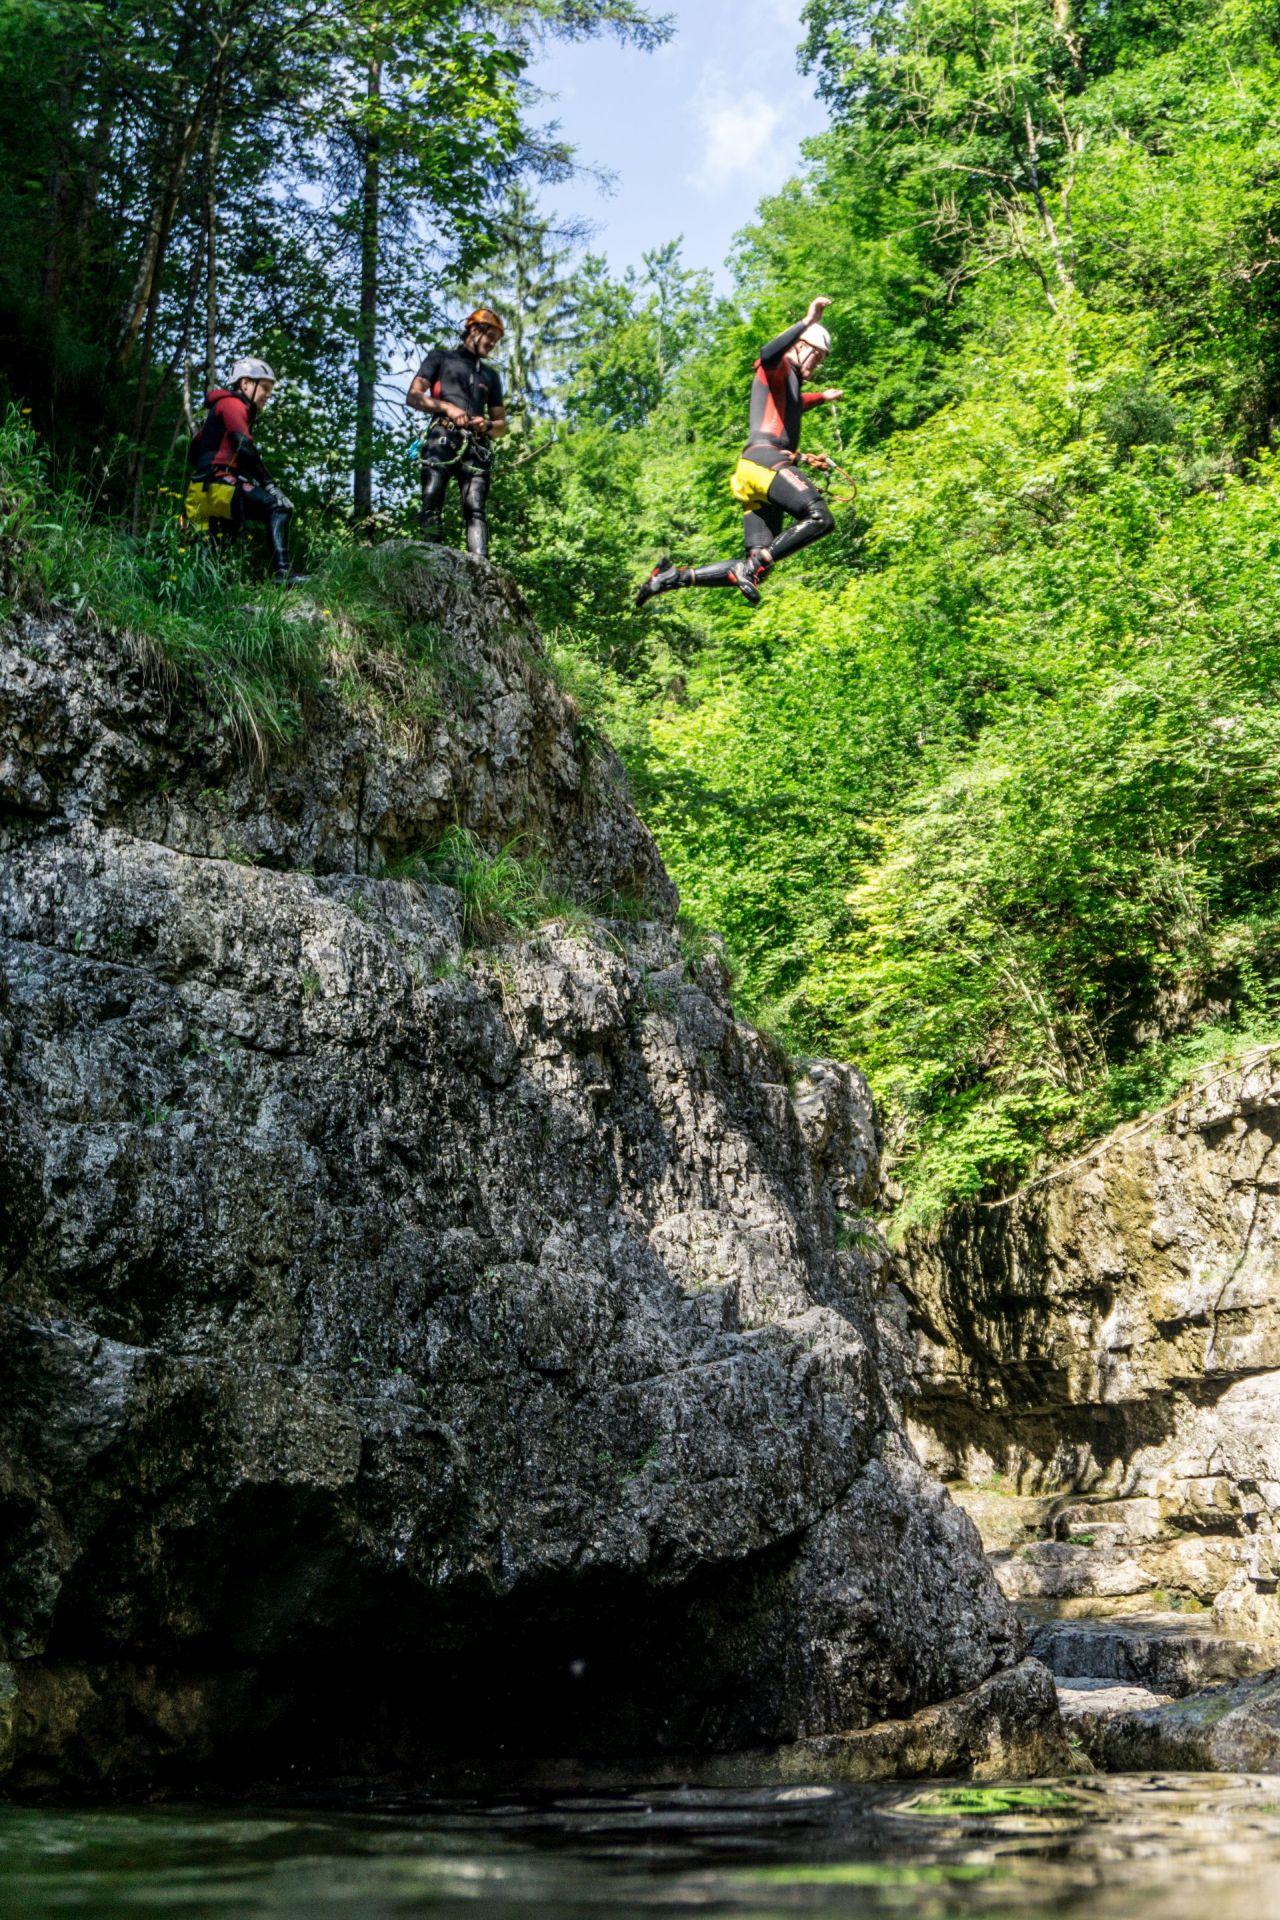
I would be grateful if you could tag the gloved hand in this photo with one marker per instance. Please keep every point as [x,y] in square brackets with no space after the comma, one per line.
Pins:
[248,459]
[279,499]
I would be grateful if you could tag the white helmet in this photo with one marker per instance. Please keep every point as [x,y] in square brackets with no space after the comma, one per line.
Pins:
[250,370]
[815,336]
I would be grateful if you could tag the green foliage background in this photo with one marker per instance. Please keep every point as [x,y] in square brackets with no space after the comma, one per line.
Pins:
[987,794]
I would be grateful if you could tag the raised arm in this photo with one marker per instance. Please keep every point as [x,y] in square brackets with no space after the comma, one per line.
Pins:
[776,348]
[785,341]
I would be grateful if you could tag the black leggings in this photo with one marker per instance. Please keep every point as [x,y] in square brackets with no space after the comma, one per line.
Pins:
[273,510]
[472,472]
[790,492]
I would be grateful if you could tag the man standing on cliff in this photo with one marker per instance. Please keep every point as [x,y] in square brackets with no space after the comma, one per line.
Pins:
[767,479]
[463,400]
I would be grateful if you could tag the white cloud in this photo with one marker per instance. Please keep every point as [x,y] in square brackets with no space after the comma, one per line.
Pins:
[737,132]
[783,15]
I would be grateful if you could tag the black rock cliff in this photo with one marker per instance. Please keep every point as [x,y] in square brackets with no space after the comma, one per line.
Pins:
[415,1357]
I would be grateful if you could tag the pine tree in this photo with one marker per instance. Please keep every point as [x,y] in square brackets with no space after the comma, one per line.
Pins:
[531,281]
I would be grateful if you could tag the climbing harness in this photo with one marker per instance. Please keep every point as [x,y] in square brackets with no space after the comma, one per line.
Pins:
[471,446]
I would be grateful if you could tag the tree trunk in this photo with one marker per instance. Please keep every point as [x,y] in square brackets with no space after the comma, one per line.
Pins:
[212,146]
[59,200]
[139,308]
[137,446]
[181,353]
[367,339]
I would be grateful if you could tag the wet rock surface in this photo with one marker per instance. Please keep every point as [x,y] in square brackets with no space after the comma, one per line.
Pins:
[1233,1729]
[410,1353]
[1107,1343]
[1094,1369]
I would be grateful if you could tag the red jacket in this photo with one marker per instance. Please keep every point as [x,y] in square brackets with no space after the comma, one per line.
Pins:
[223,449]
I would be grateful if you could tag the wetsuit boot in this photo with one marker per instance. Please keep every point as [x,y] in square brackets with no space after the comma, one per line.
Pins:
[278,534]
[274,511]
[747,574]
[664,578]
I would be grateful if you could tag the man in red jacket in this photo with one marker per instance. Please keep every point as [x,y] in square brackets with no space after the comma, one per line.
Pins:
[767,481]
[231,483]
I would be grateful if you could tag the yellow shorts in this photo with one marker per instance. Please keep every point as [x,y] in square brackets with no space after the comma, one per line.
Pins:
[208,500]
[750,483]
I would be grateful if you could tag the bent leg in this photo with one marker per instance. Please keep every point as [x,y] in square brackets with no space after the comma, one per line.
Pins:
[273,510]
[761,526]
[435,481]
[797,495]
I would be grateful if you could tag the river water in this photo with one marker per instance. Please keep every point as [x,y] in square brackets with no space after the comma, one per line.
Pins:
[1136,1847]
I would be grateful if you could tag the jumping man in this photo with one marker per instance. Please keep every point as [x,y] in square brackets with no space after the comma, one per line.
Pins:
[767,479]
[463,397]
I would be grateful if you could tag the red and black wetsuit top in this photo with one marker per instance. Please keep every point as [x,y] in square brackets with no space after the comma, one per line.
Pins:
[463,379]
[777,403]
[223,449]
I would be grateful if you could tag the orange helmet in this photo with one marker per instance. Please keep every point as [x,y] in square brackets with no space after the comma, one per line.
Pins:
[483,317]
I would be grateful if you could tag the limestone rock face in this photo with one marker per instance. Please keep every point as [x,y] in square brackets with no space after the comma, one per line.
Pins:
[1115,1334]
[91,730]
[1232,1729]
[410,1352]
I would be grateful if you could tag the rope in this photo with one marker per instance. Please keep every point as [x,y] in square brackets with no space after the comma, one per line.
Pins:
[833,466]
[468,444]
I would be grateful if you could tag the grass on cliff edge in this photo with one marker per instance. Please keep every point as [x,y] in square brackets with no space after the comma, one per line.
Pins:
[258,653]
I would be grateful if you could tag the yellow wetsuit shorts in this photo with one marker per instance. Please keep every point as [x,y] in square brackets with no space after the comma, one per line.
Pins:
[209,500]
[750,483]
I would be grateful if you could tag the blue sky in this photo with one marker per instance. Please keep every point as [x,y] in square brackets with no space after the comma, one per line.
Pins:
[694,133]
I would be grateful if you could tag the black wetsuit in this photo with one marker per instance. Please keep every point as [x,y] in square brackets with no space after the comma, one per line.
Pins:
[778,405]
[464,380]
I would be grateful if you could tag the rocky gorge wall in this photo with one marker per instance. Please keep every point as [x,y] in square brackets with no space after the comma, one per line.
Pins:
[414,1355]
[1115,1333]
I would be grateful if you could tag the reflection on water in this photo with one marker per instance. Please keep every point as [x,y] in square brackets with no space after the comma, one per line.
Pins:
[1138,1847]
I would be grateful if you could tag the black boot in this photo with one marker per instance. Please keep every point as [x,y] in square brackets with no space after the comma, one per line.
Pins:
[278,534]
[664,579]
[747,574]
